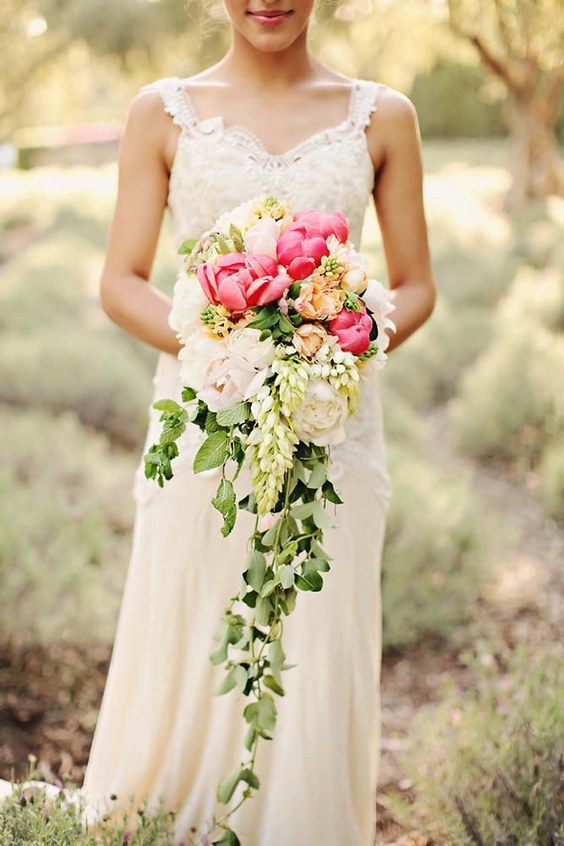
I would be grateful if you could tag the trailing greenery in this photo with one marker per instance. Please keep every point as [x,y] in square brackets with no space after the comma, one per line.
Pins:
[487,764]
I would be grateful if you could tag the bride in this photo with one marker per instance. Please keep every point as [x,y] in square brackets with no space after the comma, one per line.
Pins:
[271,118]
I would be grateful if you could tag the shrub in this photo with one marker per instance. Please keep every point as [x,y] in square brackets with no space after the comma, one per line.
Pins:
[31,817]
[552,480]
[511,404]
[65,529]
[487,764]
[436,548]
[94,374]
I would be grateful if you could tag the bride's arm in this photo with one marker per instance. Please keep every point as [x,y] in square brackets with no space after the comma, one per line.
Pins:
[395,145]
[126,295]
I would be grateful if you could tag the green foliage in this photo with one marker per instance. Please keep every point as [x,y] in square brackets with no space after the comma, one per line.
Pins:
[487,764]
[64,534]
[93,374]
[511,401]
[450,103]
[29,817]
[551,472]
[436,549]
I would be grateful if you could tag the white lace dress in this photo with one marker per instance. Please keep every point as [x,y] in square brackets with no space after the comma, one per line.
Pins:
[160,731]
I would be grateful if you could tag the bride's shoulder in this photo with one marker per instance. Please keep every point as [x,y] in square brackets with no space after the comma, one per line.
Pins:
[396,112]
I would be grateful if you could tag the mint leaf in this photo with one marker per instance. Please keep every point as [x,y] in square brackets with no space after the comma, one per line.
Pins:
[187,246]
[213,452]
[224,501]
[233,415]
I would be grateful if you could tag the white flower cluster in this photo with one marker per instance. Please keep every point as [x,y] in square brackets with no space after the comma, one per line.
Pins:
[270,447]
[291,379]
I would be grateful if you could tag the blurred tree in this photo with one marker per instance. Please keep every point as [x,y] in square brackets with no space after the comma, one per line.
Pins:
[522,43]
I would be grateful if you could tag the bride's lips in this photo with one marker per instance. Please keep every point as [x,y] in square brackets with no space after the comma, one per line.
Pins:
[270,17]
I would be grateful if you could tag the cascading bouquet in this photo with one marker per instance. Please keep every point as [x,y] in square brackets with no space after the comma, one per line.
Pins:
[276,315]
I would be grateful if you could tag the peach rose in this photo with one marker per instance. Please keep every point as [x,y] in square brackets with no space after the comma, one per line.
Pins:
[319,299]
[308,338]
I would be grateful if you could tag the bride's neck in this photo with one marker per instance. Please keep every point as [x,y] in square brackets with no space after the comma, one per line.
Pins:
[258,69]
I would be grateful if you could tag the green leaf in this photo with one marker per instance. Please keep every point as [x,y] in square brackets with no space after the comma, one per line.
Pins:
[329,491]
[187,246]
[272,684]
[287,576]
[263,609]
[225,502]
[319,552]
[251,778]
[266,713]
[250,737]
[188,394]
[276,657]
[228,838]
[285,326]
[318,476]
[227,787]
[268,537]
[256,568]
[233,415]
[227,683]
[168,405]
[305,510]
[313,579]
[213,452]
[211,424]
[320,516]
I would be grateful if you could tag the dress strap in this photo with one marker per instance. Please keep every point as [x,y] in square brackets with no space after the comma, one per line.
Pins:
[365,102]
[176,100]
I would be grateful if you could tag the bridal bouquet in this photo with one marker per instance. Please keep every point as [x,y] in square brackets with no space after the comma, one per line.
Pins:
[276,315]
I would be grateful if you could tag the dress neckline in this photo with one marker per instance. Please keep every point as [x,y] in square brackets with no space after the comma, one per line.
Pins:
[249,137]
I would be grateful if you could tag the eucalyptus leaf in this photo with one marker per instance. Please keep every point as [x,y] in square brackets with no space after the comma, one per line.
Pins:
[287,576]
[228,786]
[272,684]
[256,568]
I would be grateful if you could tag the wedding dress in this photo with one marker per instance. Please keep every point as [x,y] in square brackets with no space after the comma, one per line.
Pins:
[160,730]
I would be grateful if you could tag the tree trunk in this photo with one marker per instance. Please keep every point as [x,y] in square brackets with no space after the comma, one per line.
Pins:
[536,167]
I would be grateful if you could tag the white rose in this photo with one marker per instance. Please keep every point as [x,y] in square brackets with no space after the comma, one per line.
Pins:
[187,302]
[195,357]
[239,216]
[354,279]
[261,238]
[379,300]
[245,344]
[321,416]
[240,371]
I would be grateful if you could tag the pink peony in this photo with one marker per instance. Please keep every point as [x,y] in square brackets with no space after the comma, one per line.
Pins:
[303,242]
[239,281]
[352,329]
[299,254]
[324,223]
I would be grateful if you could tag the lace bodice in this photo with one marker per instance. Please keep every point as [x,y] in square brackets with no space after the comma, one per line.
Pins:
[215,168]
